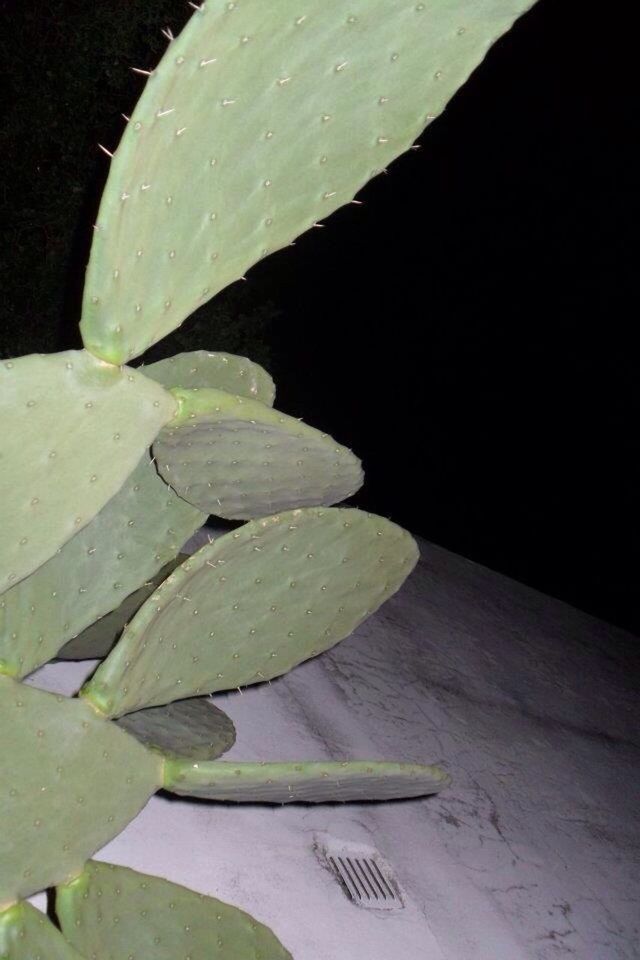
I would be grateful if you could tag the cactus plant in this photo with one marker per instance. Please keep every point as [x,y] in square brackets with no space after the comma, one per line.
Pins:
[259,120]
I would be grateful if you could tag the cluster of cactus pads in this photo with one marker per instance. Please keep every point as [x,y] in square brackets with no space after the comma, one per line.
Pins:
[261,119]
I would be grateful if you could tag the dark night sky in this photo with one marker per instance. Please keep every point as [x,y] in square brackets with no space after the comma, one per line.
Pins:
[467,330]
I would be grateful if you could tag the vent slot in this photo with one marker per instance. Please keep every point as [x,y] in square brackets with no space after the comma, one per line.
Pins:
[364,875]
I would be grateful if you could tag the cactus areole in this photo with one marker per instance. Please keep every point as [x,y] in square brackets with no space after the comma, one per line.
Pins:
[259,121]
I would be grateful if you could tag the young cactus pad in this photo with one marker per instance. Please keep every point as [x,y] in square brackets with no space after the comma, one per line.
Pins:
[308,782]
[69,781]
[261,119]
[253,604]
[78,429]
[188,730]
[111,913]
[222,371]
[240,459]
[138,531]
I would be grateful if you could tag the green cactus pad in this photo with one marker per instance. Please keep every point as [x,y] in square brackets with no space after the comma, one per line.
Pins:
[69,782]
[97,640]
[239,459]
[222,371]
[113,913]
[78,428]
[303,782]
[136,533]
[261,119]
[194,728]
[27,934]
[253,604]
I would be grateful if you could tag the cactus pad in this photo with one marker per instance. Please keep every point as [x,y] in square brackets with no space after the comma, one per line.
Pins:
[303,782]
[27,934]
[69,782]
[222,371]
[97,640]
[194,728]
[239,459]
[253,604]
[261,119]
[78,428]
[111,913]
[136,533]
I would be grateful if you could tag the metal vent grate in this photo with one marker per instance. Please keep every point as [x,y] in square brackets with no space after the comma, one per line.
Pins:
[363,874]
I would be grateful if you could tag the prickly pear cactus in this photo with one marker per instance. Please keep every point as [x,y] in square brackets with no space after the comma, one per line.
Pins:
[259,120]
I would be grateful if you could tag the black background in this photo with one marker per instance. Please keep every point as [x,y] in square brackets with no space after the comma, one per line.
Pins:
[467,330]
